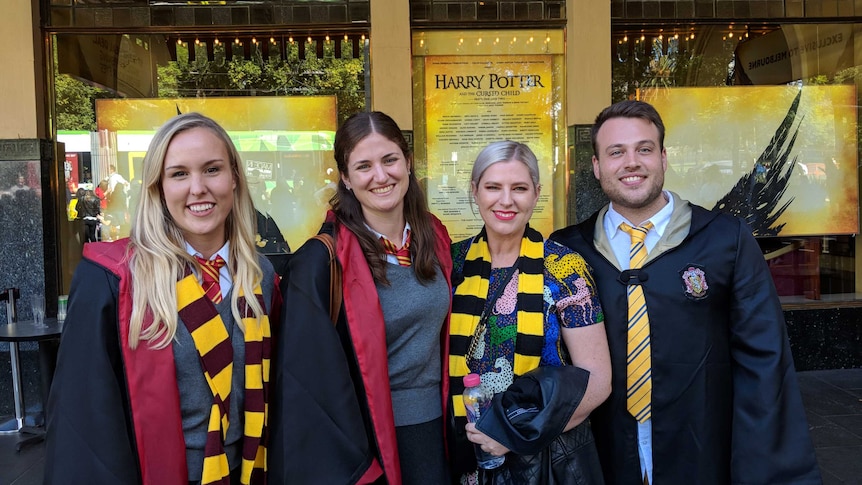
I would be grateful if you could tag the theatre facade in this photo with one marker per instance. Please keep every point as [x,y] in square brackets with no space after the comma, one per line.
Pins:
[760,99]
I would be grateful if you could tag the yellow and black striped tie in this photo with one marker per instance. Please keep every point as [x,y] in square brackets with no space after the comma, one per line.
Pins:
[639,361]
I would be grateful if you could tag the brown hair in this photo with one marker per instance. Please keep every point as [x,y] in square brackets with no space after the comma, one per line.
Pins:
[349,211]
[628,109]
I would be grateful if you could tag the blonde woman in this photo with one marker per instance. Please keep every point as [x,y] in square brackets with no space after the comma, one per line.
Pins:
[526,318]
[163,370]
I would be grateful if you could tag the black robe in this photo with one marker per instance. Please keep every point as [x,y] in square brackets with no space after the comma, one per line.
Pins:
[316,424]
[113,413]
[726,406]
[90,431]
[331,418]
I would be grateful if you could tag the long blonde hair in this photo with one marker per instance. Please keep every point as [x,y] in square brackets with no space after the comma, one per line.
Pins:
[159,256]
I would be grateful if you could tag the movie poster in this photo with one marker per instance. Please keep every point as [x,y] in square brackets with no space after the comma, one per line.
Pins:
[782,157]
[471,101]
[285,144]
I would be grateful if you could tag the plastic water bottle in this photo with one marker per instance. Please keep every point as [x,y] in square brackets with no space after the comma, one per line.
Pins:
[477,400]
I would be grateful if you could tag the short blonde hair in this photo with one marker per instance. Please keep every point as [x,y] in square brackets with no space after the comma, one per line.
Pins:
[504,151]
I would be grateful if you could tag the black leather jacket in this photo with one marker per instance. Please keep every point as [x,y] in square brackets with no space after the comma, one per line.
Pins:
[529,419]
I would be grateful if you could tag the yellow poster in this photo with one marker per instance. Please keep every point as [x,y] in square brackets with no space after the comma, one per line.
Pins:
[783,158]
[246,113]
[285,144]
[471,101]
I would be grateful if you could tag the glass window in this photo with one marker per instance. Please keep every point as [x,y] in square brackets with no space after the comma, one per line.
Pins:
[280,98]
[762,122]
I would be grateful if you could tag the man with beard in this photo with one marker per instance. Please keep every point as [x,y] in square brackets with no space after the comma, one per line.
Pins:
[703,389]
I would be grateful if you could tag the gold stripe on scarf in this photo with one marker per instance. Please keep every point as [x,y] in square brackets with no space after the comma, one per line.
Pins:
[209,333]
[469,300]
[257,379]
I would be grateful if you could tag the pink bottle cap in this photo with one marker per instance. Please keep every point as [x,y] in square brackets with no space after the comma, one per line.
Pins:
[472,380]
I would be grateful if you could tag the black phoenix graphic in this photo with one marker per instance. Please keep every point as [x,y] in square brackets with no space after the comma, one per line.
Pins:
[757,195]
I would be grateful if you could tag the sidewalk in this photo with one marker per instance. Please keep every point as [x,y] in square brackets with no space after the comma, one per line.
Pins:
[833,403]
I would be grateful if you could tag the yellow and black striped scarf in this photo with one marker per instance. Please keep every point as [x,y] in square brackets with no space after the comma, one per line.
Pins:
[469,300]
[216,353]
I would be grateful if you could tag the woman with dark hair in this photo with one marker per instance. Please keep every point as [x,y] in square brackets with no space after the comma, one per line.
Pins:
[373,403]
[163,370]
[90,212]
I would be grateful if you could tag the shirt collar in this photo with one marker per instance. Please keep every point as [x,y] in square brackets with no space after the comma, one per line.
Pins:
[659,220]
[224,252]
[403,235]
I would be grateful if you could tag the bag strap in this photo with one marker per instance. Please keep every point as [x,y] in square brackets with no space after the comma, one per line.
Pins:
[335,295]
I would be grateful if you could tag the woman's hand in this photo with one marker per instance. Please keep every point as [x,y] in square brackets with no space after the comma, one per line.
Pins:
[483,440]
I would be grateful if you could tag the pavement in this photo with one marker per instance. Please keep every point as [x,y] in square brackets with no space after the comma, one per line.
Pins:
[832,399]
[833,405]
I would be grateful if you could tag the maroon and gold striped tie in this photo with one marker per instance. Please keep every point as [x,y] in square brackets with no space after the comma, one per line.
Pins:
[210,277]
[403,254]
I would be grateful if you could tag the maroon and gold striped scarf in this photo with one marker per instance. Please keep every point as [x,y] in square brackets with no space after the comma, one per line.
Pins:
[214,347]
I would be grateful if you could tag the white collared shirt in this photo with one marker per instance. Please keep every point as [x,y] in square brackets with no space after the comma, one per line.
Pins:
[224,279]
[391,258]
[114,179]
[620,243]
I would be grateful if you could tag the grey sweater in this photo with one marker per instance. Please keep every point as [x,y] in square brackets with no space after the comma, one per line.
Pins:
[414,315]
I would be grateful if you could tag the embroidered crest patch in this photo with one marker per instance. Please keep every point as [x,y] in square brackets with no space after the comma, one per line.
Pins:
[694,279]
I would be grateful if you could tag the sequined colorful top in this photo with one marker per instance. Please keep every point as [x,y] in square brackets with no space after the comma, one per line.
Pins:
[570,301]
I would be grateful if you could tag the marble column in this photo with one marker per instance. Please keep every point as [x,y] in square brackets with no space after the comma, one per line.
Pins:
[585,193]
[28,245]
